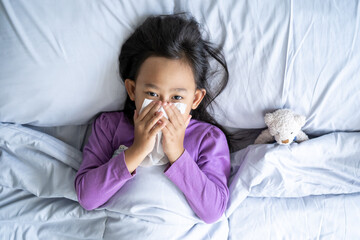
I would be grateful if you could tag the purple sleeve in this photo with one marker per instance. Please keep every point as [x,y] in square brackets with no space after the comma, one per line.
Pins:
[100,176]
[204,182]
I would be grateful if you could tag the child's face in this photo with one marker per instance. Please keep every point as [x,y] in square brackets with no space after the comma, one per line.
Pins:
[165,80]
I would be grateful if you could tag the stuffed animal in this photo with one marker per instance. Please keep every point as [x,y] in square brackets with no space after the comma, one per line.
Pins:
[283,125]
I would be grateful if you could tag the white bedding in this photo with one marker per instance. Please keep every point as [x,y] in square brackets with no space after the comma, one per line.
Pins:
[325,165]
[37,183]
[38,199]
[59,60]
[313,217]
[58,69]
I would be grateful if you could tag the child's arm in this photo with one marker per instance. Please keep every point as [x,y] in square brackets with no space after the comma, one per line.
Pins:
[204,182]
[100,176]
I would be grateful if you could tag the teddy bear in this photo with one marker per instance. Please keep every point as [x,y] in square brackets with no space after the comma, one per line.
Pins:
[283,125]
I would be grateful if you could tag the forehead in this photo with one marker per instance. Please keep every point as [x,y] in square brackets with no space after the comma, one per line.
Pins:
[166,72]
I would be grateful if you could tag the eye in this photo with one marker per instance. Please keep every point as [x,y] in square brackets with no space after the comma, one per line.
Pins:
[152,94]
[177,97]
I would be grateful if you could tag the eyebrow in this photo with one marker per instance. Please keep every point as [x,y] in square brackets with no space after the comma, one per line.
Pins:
[149,85]
[172,89]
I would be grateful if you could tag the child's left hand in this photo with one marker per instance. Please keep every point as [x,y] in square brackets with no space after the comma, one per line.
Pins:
[174,132]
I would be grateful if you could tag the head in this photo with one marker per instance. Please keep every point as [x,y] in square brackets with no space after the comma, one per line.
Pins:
[167,59]
[165,80]
[284,125]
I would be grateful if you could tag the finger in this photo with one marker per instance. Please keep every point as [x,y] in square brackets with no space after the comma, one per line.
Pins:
[155,119]
[146,110]
[174,114]
[135,115]
[169,125]
[151,112]
[188,120]
[180,117]
[166,131]
[157,128]
[169,128]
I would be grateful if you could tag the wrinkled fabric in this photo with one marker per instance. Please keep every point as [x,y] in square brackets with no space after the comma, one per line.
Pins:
[325,165]
[59,67]
[301,55]
[38,199]
[200,174]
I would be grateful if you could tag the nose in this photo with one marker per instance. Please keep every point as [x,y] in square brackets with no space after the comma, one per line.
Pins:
[164,99]
[285,141]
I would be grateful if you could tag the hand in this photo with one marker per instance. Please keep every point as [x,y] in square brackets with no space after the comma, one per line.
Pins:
[147,125]
[174,132]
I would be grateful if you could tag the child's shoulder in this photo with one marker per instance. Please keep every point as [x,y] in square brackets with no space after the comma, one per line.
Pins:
[204,128]
[112,118]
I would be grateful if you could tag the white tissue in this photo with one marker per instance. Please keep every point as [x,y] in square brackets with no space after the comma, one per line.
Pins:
[157,156]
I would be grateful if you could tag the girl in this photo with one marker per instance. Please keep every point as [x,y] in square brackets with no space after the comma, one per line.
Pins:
[165,60]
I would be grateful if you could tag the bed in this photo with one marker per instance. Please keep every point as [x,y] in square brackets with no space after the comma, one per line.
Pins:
[59,70]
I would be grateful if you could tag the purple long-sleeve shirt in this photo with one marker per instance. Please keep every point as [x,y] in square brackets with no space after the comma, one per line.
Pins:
[201,172]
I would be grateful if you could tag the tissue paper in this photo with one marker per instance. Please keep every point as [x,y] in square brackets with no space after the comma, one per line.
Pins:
[157,156]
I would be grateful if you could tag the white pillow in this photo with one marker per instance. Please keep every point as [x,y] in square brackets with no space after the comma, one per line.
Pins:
[283,54]
[59,60]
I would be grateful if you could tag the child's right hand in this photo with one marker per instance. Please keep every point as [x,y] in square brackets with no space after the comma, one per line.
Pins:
[147,125]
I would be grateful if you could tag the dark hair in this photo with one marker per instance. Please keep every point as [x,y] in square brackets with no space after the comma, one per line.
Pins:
[176,36]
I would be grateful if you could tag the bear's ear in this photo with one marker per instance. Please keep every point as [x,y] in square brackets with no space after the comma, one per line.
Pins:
[269,118]
[300,120]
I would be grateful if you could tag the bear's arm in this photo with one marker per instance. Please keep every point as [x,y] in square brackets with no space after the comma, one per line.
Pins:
[264,137]
[301,136]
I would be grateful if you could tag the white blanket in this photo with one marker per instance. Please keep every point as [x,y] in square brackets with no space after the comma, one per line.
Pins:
[38,200]
[325,165]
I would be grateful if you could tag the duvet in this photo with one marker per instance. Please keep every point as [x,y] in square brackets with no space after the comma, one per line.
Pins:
[307,191]
[38,199]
